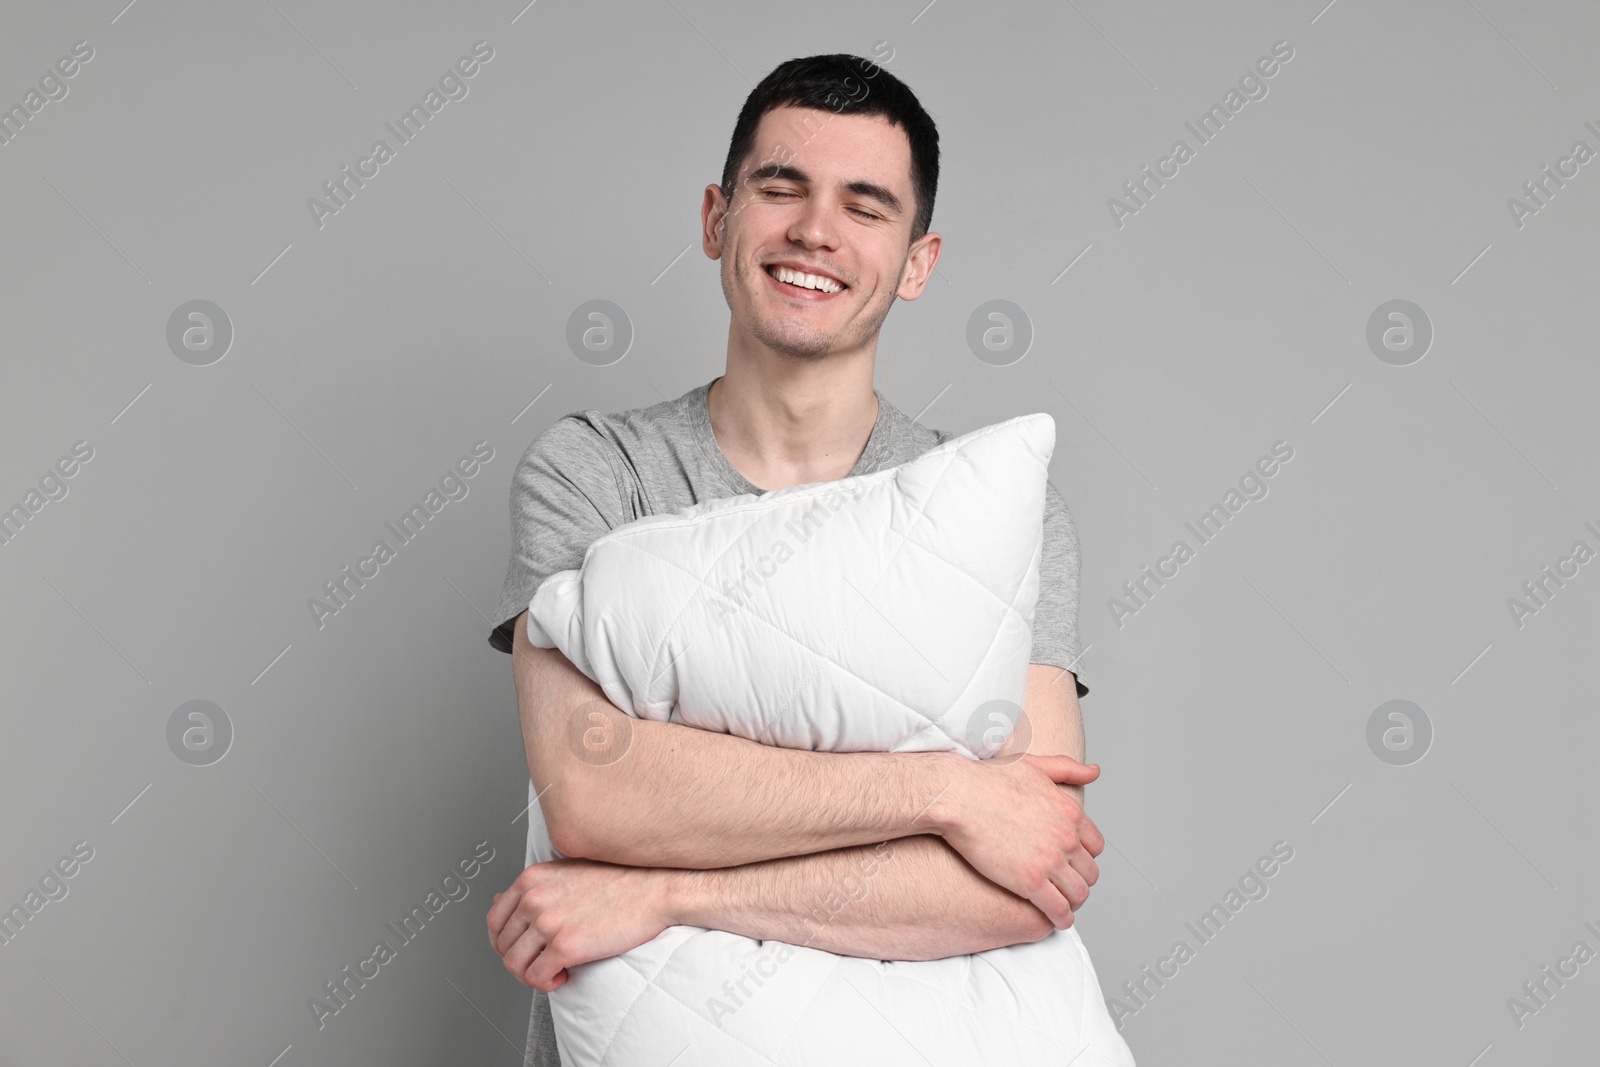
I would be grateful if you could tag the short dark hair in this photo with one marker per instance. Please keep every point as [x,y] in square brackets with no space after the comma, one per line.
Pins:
[844,84]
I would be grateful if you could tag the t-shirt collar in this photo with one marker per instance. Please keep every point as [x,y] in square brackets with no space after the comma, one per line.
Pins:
[700,413]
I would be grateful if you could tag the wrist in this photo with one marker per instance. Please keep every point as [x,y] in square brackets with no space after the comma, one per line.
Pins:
[940,793]
[679,894]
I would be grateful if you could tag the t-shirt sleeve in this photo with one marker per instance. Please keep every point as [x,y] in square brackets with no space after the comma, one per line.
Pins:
[564,495]
[1055,617]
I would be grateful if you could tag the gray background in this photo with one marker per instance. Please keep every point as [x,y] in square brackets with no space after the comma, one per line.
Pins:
[1229,313]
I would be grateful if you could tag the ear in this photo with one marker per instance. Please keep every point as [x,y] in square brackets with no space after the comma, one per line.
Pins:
[920,260]
[714,210]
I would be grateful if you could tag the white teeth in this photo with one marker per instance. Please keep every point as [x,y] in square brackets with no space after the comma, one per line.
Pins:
[809,281]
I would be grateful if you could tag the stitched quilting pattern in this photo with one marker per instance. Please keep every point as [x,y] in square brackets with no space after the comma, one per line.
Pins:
[871,613]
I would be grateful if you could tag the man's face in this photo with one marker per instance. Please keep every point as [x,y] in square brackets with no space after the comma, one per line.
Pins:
[828,195]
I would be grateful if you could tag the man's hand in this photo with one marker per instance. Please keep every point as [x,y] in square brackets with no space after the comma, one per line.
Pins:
[564,912]
[1018,828]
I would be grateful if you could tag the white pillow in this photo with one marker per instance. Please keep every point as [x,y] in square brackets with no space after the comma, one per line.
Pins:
[880,612]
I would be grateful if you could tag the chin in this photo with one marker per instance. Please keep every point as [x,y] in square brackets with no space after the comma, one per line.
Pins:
[789,346]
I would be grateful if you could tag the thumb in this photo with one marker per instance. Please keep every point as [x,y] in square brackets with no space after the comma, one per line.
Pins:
[1064,770]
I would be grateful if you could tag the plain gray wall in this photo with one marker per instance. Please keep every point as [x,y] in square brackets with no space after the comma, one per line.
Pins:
[1228,313]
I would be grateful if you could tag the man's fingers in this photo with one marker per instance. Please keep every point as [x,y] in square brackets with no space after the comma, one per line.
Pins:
[1056,907]
[504,904]
[515,927]
[494,920]
[1071,886]
[551,986]
[522,953]
[507,899]
[542,972]
[1090,871]
[1079,860]
[1064,770]
[1090,835]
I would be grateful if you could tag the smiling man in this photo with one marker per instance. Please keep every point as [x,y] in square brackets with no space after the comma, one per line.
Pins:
[820,222]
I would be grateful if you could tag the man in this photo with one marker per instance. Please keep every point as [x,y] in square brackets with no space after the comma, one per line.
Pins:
[820,223]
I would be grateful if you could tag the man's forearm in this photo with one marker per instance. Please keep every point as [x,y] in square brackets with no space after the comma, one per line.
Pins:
[910,899]
[690,798]
[669,795]
[1062,733]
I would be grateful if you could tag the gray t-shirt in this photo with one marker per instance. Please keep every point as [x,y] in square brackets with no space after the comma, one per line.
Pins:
[589,473]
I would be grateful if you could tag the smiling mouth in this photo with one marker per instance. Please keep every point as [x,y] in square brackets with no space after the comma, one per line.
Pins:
[802,285]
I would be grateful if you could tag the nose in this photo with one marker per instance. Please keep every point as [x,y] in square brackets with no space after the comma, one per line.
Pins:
[816,224]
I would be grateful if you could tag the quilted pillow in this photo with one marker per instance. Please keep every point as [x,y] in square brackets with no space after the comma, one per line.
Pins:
[879,612]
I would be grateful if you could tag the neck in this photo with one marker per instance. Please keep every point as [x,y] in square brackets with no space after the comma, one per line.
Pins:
[788,423]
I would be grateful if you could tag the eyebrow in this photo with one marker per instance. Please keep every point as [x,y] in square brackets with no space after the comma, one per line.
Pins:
[860,187]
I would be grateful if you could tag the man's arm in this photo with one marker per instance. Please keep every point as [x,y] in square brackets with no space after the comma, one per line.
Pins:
[1052,706]
[900,900]
[654,794]
[910,899]
[914,899]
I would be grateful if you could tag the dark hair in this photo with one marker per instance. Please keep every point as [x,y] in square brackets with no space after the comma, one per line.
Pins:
[844,84]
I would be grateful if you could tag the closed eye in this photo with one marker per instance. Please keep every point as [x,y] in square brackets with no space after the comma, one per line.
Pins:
[780,192]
